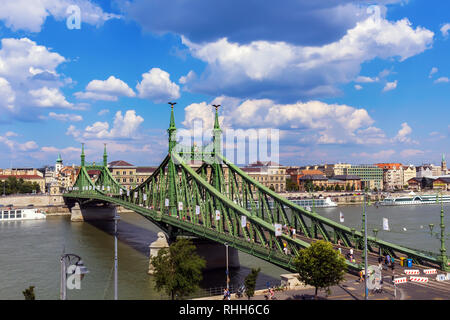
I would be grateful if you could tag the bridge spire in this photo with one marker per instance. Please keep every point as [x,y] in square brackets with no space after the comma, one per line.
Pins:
[217,139]
[172,129]
[105,157]
[82,155]
[217,131]
[171,170]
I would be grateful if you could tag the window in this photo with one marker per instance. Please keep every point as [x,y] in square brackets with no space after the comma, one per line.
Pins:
[5,214]
[131,179]
[118,173]
[124,180]
[19,214]
[131,173]
[124,173]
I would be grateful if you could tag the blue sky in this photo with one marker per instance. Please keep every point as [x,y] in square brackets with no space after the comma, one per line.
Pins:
[341,80]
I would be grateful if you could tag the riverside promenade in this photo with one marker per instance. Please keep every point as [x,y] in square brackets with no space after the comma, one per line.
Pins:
[353,289]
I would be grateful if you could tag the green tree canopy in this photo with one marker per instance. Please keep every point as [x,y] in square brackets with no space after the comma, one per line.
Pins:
[320,266]
[29,293]
[250,282]
[12,185]
[291,185]
[178,269]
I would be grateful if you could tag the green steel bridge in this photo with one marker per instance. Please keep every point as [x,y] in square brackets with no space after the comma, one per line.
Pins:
[220,202]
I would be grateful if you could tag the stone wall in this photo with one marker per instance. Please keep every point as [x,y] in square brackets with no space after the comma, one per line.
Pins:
[36,200]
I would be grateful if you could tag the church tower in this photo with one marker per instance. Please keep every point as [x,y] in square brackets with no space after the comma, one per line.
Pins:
[443,165]
[59,164]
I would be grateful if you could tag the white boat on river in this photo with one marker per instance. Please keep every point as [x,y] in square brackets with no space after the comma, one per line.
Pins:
[16,214]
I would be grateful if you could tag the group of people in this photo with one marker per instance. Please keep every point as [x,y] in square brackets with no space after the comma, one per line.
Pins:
[388,261]
[350,256]
[271,295]
[226,294]
[290,231]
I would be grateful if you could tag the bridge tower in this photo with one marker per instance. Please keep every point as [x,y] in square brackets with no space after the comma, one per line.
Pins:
[217,150]
[105,157]
[171,170]
[82,155]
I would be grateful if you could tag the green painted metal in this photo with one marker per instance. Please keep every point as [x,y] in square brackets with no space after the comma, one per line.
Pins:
[201,202]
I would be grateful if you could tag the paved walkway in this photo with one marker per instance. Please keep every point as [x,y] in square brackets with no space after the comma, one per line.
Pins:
[352,289]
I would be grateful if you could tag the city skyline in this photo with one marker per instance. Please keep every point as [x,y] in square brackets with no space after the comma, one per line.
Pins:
[368,86]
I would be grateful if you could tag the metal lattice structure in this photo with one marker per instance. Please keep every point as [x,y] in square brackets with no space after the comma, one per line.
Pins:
[220,202]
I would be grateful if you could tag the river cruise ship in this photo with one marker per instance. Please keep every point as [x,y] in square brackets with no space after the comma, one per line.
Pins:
[415,199]
[11,214]
[317,203]
[308,204]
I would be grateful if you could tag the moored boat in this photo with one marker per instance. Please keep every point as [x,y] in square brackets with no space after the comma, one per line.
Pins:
[415,199]
[19,214]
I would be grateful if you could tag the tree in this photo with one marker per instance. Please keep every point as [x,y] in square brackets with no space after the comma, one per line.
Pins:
[178,269]
[337,188]
[320,266]
[29,293]
[291,185]
[250,282]
[13,185]
[309,186]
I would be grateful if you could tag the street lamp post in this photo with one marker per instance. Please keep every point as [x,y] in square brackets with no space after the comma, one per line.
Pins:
[365,249]
[70,259]
[116,217]
[445,266]
[227,272]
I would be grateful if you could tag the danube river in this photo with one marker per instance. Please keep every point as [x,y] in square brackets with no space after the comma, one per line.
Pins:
[30,251]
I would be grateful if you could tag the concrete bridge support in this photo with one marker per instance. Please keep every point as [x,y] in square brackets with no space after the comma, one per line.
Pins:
[214,253]
[155,246]
[92,211]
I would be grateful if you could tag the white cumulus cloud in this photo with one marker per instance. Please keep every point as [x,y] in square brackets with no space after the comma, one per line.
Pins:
[314,121]
[124,127]
[109,90]
[156,86]
[250,70]
[444,29]
[49,97]
[442,80]
[390,86]
[30,15]
[65,117]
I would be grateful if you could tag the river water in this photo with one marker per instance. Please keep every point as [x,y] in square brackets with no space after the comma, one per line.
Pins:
[30,251]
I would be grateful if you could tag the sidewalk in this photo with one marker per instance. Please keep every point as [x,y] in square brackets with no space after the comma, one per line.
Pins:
[350,289]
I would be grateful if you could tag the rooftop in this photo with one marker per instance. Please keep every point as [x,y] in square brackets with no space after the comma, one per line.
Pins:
[346,177]
[120,163]
[313,177]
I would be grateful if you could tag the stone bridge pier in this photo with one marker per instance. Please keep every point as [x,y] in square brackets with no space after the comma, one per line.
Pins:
[92,211]
[214,253]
